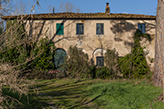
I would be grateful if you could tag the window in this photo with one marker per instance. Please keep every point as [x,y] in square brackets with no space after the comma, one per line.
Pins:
[59,29]
[79,28]
[99,28]
[100,61]
[141,27]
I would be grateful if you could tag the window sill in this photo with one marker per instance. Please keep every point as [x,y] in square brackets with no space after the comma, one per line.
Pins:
[100,36]
[59,35]
[79,35]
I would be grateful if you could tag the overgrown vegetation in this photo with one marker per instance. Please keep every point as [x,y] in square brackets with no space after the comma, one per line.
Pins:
[22,101]
[42,52]
[134,65]
[111,61]
[20,55]
[77,64]
[43,63]
[11,58]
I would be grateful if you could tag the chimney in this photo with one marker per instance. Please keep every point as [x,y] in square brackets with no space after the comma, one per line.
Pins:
[53,9]
[107,9]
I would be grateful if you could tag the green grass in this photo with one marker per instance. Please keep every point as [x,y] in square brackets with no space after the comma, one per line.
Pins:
[124,96]
[97,94]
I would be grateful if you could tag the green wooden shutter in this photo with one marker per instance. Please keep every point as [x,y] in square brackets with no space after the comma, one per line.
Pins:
[59,29]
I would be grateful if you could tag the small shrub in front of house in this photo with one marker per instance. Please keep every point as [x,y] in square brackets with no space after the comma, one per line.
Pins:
[77,64]
[111,61]
[103,73]
[92,71]
[124,66]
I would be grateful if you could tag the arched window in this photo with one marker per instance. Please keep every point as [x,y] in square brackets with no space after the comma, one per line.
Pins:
[59,58]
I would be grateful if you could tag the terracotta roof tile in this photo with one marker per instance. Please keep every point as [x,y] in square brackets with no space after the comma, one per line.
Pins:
[81,16]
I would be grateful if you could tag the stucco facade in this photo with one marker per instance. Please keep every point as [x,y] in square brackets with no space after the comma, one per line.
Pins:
[118,32]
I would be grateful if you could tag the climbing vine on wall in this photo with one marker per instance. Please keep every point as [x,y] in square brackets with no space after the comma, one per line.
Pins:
[134,65]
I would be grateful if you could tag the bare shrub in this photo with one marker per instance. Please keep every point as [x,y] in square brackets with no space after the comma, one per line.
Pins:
[77,64]
[10,77]
[17,55]
[111,61]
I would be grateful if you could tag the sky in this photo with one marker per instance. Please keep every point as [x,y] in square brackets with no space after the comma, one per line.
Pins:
[147,7]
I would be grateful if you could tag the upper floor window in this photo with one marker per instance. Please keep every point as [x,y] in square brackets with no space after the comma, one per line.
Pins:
[79,28]
[141,27]
[99,28]
[59,29]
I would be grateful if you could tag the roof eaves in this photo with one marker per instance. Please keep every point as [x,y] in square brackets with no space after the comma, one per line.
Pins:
[81,16]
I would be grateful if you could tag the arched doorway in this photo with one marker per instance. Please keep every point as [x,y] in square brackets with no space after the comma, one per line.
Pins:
[60,58]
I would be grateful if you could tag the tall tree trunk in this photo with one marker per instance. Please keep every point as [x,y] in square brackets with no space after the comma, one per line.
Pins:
[159,46]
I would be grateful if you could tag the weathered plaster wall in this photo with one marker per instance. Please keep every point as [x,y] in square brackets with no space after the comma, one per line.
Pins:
[118,34]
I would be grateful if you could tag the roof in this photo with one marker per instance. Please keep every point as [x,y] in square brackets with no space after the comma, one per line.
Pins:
[68,15]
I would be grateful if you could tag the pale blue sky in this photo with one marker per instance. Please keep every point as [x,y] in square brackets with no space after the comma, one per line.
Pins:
[147,7]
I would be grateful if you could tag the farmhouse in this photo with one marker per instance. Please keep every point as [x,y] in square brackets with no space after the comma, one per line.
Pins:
[93,33]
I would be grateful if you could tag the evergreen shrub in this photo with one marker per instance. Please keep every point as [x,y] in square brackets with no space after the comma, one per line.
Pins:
[134,65]
[14,51]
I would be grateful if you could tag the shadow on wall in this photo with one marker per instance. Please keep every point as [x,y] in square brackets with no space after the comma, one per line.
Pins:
[123,31]
[121,28]
[37,30]
[67,37]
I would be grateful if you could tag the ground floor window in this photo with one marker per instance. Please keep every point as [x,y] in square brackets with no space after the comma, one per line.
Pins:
[99,61]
